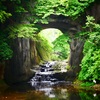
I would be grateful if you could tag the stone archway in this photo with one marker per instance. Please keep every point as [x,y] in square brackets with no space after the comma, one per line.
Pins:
[18,69]
[59,22]
[66,25]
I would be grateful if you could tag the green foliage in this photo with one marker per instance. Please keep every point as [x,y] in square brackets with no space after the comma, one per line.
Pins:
[57,41]
[61,47]
[43,9]
[91,61]
[23,30]
[87,84]
[88,95]
[18,6]
[90,65]
[91,25]
[20,9]
[5,50]
[40,11]
[3,14]
[76,7]
[44,48]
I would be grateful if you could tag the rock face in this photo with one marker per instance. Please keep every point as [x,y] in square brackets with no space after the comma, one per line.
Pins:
[76,54]
[18,68]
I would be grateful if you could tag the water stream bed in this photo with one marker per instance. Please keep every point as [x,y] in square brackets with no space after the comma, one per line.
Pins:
[26,92]
[44,86]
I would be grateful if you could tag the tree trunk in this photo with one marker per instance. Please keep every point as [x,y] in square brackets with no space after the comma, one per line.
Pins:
[76,54]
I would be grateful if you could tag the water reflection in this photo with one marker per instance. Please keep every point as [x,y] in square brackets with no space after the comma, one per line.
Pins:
[68,93]
[89,96]
[23,92]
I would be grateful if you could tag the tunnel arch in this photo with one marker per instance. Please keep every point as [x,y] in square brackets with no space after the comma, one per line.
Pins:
[56,40]
[60,22]
[18,69]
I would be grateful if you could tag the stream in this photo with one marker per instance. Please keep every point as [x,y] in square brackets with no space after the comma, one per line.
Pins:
[44,86]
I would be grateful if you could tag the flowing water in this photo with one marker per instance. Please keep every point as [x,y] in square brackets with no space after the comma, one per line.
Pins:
[26,92]
[44,86]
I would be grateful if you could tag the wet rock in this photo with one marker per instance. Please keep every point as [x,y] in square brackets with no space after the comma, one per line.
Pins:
[18,68]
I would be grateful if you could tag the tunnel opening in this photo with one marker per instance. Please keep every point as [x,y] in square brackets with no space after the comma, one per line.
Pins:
[53,45]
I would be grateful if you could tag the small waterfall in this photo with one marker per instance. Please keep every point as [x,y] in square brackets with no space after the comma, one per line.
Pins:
[44,76]
[44,79]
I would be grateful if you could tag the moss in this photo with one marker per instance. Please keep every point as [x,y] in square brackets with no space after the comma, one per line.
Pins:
[68,67]
[44,49]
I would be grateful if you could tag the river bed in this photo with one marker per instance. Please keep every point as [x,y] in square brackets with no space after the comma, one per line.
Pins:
[45,86]
[57,92]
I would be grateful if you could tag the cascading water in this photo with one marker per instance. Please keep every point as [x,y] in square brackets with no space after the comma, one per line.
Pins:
[44,75]
[44,79]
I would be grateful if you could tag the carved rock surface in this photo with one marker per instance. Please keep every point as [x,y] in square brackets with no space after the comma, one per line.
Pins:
[18,68]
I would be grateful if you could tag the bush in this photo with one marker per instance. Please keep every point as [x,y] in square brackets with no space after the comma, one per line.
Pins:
[90,66]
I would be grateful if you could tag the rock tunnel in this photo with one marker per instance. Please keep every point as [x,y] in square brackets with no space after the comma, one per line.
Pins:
[18,68]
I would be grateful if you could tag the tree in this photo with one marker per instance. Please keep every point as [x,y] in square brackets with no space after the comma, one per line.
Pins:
[72,8]
[91,61]
[5,50]
[12,25]
[18,30]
